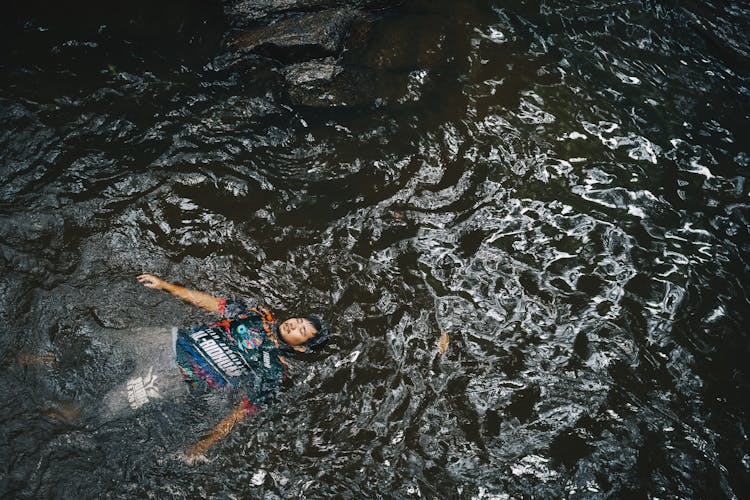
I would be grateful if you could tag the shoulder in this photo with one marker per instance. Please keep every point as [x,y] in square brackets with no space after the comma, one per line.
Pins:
[230,308]
[243,308]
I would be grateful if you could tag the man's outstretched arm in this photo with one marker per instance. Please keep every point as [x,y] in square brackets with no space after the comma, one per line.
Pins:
[200,299]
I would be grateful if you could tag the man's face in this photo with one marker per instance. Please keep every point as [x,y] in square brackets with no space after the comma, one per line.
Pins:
[297,331]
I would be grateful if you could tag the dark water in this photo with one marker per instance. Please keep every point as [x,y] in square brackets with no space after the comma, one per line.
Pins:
[561,188]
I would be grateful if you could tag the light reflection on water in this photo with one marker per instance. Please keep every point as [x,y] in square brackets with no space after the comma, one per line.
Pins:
[559,188]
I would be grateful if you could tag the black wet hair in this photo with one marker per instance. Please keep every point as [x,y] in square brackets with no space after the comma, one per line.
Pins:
[321,336]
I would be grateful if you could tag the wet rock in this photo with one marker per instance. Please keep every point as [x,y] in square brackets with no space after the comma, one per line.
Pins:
[15,296]
[240,13]
[245,13]
[324,83]
[302,37]
[316,71]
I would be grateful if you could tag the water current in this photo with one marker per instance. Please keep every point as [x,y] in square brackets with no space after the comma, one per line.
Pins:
[560,187]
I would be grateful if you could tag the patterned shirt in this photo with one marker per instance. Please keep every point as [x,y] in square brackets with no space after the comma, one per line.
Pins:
[236,352]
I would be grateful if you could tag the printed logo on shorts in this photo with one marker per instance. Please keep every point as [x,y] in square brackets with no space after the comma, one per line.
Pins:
[141,390]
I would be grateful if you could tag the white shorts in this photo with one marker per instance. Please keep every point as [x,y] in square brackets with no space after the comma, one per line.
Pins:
[155,378]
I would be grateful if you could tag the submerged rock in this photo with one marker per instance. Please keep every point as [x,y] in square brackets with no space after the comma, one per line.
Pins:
[301,37]
[324,83]
[406,43]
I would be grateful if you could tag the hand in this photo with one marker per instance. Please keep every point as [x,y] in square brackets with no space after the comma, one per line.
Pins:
[151,281]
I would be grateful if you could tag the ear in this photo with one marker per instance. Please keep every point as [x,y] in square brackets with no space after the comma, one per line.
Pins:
[299,348]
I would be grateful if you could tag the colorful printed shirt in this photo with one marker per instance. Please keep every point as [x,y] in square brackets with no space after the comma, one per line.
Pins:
[237,352]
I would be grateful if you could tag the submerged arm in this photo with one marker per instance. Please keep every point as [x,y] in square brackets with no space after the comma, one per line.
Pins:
[200,299]
[244,410]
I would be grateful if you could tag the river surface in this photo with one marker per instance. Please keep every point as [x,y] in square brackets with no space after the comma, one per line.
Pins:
[561,188]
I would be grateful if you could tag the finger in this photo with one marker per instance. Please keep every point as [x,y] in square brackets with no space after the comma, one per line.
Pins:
[149,282]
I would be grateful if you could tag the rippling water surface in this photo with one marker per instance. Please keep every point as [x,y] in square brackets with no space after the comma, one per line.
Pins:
[561,188]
